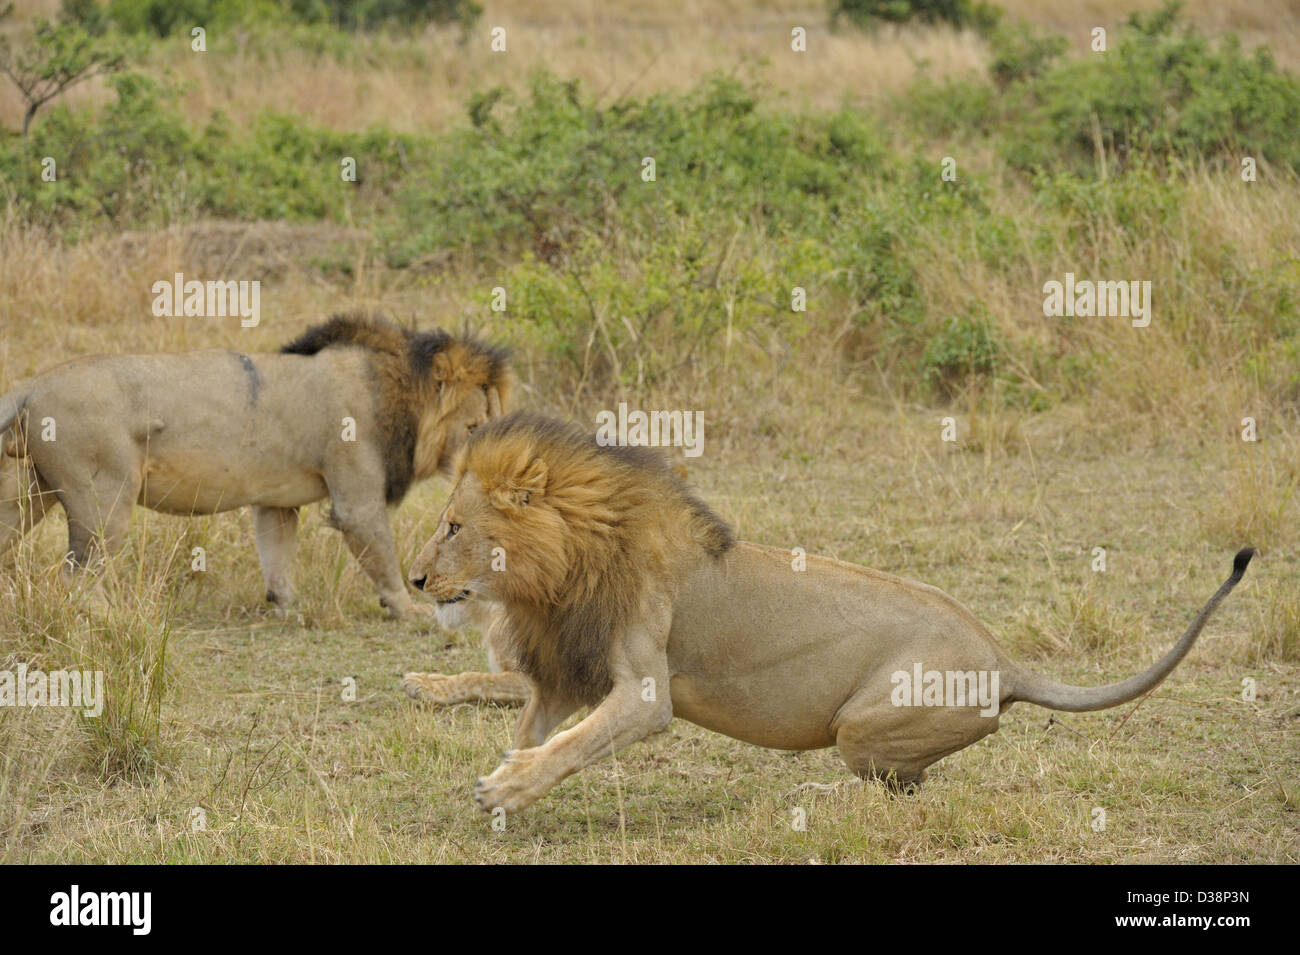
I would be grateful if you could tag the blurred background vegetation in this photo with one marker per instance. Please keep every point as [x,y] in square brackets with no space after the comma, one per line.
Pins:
[1089,162]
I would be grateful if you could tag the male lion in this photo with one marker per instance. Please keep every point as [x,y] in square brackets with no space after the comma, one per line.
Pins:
[498,685]
[622,591]
[355,409]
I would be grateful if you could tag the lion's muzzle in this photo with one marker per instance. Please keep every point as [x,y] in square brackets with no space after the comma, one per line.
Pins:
[452,595]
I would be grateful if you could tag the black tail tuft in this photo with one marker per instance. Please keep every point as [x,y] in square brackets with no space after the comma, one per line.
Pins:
[1241,562]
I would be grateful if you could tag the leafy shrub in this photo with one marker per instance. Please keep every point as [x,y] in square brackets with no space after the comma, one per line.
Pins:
[959,13]
[124,166]
[1139,201]
[1022,53]
[164,17]
[371,14]
[967,347]
[549,172]
[1160,90]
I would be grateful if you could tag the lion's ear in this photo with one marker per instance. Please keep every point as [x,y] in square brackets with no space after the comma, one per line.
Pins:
[523,489]
[441,368]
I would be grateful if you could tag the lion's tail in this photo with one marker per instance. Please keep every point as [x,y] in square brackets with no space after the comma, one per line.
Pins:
[11,405]
[1030,687]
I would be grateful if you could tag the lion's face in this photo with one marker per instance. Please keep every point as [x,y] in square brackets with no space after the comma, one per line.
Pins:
[452,418]
[455,566]
[459,423]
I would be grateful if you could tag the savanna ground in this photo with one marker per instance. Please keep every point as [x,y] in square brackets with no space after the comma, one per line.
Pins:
[229,734]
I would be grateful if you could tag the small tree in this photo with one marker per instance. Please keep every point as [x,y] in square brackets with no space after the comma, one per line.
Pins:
[58,57]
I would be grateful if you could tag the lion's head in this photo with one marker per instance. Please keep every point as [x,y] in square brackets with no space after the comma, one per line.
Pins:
[565,534]
[432,388]
[467,383]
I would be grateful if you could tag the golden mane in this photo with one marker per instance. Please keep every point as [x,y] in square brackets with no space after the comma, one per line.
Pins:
[584,528]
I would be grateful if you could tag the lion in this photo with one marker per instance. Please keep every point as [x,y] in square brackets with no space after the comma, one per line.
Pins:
[498,685]
[622,591]
[355,409]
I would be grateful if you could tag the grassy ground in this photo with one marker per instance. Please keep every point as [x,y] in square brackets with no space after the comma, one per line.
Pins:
[255,732]
[231,734]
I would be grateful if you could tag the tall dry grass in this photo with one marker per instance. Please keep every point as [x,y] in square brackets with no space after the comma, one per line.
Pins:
[622,47]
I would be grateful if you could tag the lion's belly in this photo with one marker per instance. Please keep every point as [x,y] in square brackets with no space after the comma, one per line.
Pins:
[747,658]
[769,654]
[205,484]
[744,711]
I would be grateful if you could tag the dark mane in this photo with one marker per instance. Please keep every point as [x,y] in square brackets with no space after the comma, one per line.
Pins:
[491,362]
[351,328]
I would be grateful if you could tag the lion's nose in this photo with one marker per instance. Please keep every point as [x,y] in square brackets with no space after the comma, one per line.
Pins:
[418,582]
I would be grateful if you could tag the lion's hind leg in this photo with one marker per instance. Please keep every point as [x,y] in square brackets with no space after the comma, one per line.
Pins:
[98,518]
[896,776]
[276,531]
[884,743]
[512,689]
[24,499]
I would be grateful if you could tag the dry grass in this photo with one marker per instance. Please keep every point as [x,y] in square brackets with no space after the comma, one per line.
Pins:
[255,731]
[251,735]
[423,81]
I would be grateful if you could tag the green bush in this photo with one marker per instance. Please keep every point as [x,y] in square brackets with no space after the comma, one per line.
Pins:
[1160,91]
[164,17]
[124,166]
[968,347]
[1022,53]
[959,13]
[371,14]
[555,169]
[138,162]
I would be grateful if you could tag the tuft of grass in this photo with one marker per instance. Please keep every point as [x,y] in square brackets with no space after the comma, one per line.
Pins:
[1275,627]
[116,625]
[1257,504]
[1078,623]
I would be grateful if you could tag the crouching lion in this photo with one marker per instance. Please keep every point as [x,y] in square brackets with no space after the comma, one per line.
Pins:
[622,591]
[356,409]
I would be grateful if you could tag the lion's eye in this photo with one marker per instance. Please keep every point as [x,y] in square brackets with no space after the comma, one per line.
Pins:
[470,428]
[452,529]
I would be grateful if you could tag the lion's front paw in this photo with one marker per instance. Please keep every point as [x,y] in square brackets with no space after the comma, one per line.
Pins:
[426,687]
[514,785]
[425,614]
